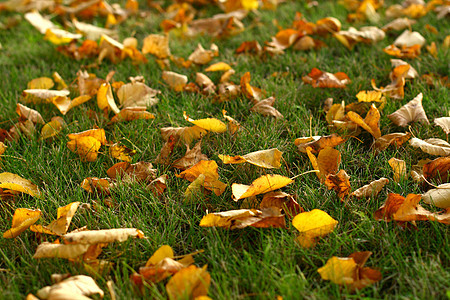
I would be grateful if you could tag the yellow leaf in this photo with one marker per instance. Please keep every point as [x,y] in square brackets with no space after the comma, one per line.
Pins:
[2,148]
[62,223]
[16,183]
[137,95]
[86,147]
[98,134]
[157,45]
[209,169]
[163,252]
[241,218]
[264,158]
[130,114]
[312,225]
[194,189]
[339,270]
[44,83]
[51,129]
[187,134]
[59,36]
[121,152]
[105,99]
[263,184]
[399,168]
[220,66]
[210,124]
[371,122]
[22,219]
[189,283]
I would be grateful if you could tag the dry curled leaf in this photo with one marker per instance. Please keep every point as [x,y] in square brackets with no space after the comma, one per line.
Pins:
[432,146]
[411,112]
[317,143]
[269,159]
[52,250]
[27,113]
[241,218]
[439,197]
[121,152]
[282,201]
[131,114]
[327,162]
[265,107]
[370,190]
[157,45]
[401,209]
[370,123]
[340,183]
[320,79]
[102,236]
[175,81]
[137,95]
[444,123]
[437,170]
[191,157]
[62,222]
[186,134]
[397,139]
[313,225]
[74,287]
[209,169]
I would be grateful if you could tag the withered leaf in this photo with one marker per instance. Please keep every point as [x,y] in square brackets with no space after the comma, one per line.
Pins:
[432,146]
[22,219]
[372,189]
[263,184]
[191,157]
[62,222]
[320,79]
[318,143]
[397,139]
[438,170]
[209,169]
[440,196]
[102,236]
[339,182]
[190,282]
[265,107]
[444,123]
[16,183]
[270,158]
[411,112]
[399,168]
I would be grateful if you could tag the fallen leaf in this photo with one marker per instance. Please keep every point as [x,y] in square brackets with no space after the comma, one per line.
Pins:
[27,113]
[200,56]
[45,96]
[372,189]
[137,95]
[92,32]
[68,251]
[174,80]
[209,169]
[318,143]
[444,123]
[397,139]
[97,185]
[399,24]
[16,183]
[241,218]
[194,190]
[411,112]
[411,74]
[339,182]
[140,172]
[131,114]
[327,162]
[217,67]
[209,124]
[349,271]
[282,201]
[431,146]
[187,134]
[233,125]
[409,38]
[320,79]
[439,197]
[105,99]
[22,219]
[263,184]
[75,287]
[265,107]
[157,45]
[86,147]
[399,168]
[269,159]
[190,282]
[121,152]
[370,123]
[102,236]
[313,225]
[62,222]
[401,209]
[192,157]
[403,52]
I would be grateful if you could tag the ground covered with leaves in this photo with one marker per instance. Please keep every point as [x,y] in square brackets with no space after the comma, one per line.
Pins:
[236,149]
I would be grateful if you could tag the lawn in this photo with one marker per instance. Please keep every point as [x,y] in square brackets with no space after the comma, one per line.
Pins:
[248,263]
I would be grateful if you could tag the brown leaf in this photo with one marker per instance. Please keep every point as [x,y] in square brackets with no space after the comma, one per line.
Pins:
[137,95]
[265,107]
[327,162]
[166,151]
[320,79]
[438,170]
[396,88]
[397,139]
[192,157]
[340,183]
[189,283]
[97,185]
[200,56]
[282,201]
[370,190]
[371,122]
[398,208]
[318,143]
[140,172]
[209,169]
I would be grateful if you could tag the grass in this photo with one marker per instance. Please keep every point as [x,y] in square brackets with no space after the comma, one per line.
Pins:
[249,263]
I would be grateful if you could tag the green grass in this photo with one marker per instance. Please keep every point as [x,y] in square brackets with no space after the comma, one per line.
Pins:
[249,263]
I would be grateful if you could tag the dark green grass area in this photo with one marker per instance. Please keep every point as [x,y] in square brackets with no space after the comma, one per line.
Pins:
[249,263]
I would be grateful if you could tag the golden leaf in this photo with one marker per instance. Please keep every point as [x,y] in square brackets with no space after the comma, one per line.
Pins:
[210,124]
[16,183]
[174,80]
[105,99]
[399,168]
[371,122]
[263,184]
[43,83]
[62,222]
[157,45]
[22,219]
[86,147]
[121,152]
[209,169]
[313,225]
[220,66]
[190,282]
